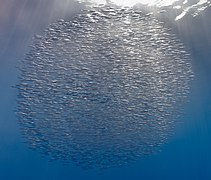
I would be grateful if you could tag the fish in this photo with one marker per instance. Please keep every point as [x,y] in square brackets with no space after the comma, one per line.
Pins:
[110,95]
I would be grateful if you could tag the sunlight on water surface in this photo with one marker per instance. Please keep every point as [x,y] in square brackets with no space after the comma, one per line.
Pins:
[134,2]
[182,7]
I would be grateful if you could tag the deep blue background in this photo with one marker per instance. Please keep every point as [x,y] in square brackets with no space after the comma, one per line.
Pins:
[187,156]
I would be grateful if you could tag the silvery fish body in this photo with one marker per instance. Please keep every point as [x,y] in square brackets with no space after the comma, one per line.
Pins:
[103,89]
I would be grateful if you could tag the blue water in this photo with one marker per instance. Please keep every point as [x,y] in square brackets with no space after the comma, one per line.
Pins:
[186,155]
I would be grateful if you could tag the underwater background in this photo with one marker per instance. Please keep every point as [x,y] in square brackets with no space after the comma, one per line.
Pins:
[186,152]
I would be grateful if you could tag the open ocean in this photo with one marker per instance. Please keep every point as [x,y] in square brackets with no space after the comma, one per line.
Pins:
[105,90]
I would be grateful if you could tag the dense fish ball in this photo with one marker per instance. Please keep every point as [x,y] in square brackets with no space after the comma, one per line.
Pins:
[103,89]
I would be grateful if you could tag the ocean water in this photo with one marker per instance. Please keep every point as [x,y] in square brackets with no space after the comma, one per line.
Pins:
[91,90]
